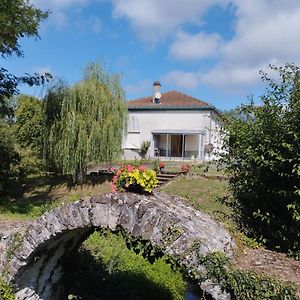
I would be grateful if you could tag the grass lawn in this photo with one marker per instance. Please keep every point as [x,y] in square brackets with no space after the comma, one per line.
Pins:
[203,194]
[37,195]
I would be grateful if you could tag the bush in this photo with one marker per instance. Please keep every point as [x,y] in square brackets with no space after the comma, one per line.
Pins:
[263,158]
[9,158]
[144,149]
[138,179]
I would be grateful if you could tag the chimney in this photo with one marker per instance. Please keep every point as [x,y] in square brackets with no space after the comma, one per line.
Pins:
[156,92]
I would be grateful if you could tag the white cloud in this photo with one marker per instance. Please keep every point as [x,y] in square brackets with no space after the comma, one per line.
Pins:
[141,87]
[95,24]
[58,4]
[231,78]
[58,16]
[153,20]
[182,79]
[189,47]
[264,33]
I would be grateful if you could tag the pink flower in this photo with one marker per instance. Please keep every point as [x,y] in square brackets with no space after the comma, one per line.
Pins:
[130,168]
[113,188]
[115,178]
[112,169]
[119,172]
[142,168]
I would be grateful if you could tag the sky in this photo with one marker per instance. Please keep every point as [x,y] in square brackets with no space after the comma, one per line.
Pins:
[209,49]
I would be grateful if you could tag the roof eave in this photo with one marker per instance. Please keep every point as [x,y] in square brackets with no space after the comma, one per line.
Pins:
[157,108]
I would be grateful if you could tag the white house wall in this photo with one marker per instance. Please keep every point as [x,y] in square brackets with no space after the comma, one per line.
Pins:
[142,123]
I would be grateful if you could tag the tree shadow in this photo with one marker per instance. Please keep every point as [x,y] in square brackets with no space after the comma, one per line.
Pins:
[88,278]
[36,195]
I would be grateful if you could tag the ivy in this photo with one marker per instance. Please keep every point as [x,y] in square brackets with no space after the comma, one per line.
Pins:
[243,284]
[6,292]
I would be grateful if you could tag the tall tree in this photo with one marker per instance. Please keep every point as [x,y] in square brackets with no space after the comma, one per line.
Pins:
[18,18]
[263,157]
[90,124]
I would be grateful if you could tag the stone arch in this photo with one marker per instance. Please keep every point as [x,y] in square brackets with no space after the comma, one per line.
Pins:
[32,258]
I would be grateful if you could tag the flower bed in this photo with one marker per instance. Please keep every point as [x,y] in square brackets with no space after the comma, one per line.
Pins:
[134,179]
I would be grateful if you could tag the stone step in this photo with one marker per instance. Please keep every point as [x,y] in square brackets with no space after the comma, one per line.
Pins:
[164,178]
[166,175]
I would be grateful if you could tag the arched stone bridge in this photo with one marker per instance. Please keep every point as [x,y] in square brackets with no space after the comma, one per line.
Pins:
[31,258]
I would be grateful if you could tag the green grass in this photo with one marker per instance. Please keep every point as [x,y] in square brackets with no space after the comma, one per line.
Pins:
[36,195]
[203,194]
[105,269]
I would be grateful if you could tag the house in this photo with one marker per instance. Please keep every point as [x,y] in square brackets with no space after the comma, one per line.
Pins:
[178,127]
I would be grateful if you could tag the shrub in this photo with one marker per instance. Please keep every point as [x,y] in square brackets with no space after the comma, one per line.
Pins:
[144,149]
[138,179]
[262,157]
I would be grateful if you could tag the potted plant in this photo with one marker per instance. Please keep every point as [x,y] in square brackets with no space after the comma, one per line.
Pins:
[185,168]
[161,166]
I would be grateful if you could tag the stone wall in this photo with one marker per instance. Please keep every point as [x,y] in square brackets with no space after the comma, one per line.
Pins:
[31,258]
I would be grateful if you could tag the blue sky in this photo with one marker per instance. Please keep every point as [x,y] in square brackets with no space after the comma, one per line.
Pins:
[209,49]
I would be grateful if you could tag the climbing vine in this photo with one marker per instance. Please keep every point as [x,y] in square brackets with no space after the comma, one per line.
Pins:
[6,292]
[243,284]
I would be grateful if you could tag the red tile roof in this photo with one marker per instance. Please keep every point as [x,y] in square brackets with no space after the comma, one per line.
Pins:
[170,99]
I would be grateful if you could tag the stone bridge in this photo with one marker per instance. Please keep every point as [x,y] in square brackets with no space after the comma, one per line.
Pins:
[31,258]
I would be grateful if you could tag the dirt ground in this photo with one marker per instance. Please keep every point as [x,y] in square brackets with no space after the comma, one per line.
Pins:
[270,263]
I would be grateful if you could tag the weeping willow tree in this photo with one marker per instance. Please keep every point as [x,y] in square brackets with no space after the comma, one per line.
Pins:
[85,123]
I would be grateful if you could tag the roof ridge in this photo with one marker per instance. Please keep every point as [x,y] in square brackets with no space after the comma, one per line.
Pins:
[168,92]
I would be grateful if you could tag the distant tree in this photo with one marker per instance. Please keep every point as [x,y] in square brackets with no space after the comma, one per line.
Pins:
[9,157]
[89,125]
[29,122]
[263,158]
[18,18]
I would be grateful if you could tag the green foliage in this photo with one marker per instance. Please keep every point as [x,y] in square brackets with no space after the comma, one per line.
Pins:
[144,149]
[28,130]
[136,179]
[155,165]
[115,272]
[243,284]
[263,159]
[9,158]
[88,126]
[18,19]
[29,122]
[6,292]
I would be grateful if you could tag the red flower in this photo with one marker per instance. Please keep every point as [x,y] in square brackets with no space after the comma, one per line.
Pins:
[185,168]
[161,165]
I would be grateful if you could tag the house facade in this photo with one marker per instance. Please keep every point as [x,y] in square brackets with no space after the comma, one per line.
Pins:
[179,127]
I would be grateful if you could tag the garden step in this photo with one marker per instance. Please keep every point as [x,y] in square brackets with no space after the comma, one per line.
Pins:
[164,178]
[167,175]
